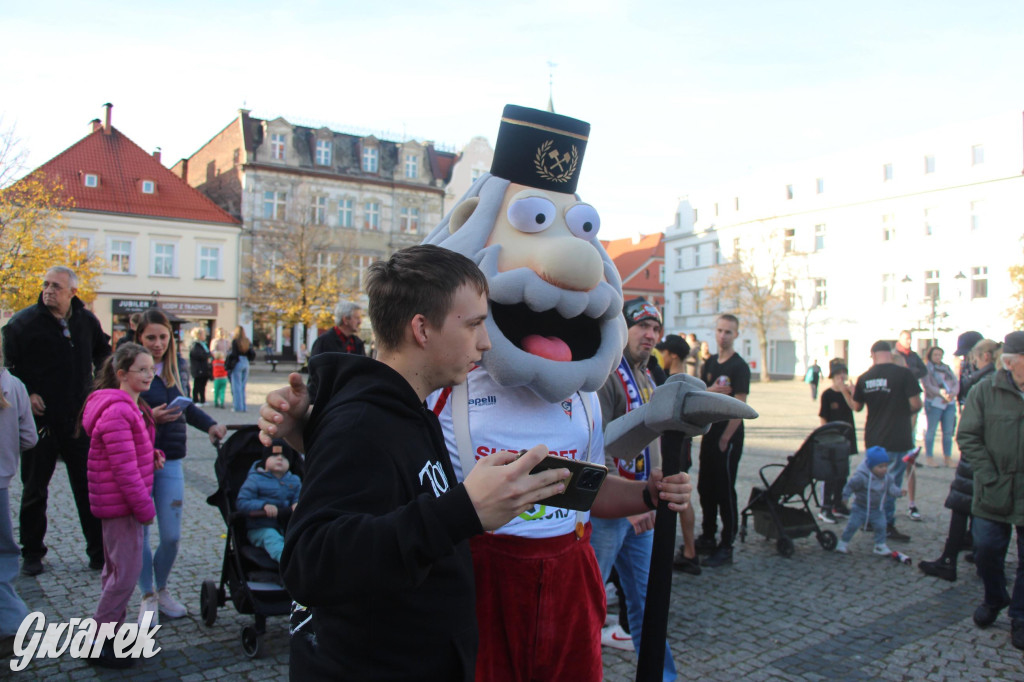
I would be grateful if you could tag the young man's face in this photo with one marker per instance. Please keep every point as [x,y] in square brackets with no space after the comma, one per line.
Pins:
[726,332]
[641,339]
[461,341]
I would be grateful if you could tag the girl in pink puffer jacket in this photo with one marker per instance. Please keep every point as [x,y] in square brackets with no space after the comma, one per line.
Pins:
[121,464]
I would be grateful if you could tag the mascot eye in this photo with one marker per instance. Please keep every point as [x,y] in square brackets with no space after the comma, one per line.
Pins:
[583,221]
[531,214]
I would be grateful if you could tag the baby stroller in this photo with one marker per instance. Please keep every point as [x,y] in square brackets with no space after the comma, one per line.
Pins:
[249,577]
[780,508]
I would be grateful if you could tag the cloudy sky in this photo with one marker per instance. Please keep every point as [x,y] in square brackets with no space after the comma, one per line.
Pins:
[679,94]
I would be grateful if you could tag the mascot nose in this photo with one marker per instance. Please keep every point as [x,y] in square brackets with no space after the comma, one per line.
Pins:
[573,264]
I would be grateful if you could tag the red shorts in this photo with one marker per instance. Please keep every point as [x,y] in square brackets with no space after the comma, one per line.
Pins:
[540,607]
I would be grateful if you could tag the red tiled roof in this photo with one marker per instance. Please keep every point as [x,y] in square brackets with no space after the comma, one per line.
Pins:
[122,166]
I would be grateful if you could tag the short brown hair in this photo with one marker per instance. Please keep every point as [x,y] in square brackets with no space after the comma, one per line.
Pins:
[729,317]
[419,280]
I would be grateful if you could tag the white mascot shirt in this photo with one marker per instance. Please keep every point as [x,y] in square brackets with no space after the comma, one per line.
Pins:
[516,419]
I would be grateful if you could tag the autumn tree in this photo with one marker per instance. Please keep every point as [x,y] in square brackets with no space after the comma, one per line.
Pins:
[299,273]
[33,235]
[751,289]
[1016,309]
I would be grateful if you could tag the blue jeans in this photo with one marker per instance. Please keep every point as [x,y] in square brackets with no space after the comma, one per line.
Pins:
[897,467]
[615,543]
[12,608]
[991,540]
[239,376]
[269,539]
[858,515]
[947,417]
[169,499]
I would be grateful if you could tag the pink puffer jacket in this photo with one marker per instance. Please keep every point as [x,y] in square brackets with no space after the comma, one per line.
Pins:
[120,456]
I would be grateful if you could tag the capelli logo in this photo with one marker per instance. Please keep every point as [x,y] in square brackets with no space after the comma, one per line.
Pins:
[80,638]
[480,402]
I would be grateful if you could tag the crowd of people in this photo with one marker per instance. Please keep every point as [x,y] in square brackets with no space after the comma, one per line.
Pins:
[118,420]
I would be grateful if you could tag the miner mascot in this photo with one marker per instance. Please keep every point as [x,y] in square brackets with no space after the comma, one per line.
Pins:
[557,331]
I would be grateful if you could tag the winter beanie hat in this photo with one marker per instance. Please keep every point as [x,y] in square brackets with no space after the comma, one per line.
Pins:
[876,455]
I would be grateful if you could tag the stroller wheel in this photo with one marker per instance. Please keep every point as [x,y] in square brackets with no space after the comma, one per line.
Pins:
[208,602]
[785,546]
[252,642]
[828,540]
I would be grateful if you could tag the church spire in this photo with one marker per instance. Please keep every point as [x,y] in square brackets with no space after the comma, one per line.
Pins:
[551,86]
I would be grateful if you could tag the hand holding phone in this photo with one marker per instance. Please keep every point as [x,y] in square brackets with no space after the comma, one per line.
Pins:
[581,488]
[180,403]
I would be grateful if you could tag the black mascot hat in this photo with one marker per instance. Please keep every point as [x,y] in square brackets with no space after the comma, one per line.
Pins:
[540,149]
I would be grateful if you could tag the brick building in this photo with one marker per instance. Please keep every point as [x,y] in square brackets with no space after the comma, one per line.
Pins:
[641,265]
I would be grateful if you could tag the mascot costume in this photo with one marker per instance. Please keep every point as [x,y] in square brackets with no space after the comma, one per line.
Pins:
[557,331]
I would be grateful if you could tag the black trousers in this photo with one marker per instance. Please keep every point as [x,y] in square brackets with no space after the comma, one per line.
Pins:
[959,537]
[716,484]
[199,389]
[37,467]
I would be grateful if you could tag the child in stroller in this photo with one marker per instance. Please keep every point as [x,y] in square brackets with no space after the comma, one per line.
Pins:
[269,488]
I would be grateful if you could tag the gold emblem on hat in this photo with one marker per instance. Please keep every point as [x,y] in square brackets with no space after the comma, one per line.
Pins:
[553,165]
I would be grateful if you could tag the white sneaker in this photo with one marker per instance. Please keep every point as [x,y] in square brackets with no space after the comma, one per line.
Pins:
[169,606]
[615,637]
[150,603]
[882,550]
[842,547]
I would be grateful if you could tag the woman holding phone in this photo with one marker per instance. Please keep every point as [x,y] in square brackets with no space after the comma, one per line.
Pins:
[155,334]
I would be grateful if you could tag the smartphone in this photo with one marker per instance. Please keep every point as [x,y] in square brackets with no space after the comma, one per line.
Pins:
[581,488]
[180,403]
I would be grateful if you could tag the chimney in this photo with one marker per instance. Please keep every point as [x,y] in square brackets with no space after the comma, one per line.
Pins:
[94,125]
[184,170]
[106,126]
[156,155]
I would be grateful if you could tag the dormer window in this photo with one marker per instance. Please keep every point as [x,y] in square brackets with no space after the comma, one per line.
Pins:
[91,180]
[148,187]
[370,156]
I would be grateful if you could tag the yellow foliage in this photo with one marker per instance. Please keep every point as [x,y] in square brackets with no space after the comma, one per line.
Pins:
[33,238]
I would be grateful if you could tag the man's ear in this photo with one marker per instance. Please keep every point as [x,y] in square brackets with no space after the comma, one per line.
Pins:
[418,325]
[462,213]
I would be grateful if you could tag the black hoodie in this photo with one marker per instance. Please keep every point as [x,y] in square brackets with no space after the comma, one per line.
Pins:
[377,544]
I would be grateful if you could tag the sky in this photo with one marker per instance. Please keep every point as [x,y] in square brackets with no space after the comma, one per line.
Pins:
[679,94]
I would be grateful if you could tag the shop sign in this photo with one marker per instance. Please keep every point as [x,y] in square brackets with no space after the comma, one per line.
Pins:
[127,306]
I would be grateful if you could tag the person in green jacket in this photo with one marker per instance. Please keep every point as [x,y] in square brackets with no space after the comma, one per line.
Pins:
[991,438]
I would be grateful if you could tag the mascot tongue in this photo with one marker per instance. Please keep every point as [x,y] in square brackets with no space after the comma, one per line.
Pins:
[548,347]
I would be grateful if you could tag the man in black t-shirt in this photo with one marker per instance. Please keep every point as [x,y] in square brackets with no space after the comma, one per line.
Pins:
[721,447]
[892,395]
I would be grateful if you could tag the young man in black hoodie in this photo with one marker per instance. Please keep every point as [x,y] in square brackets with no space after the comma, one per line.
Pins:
[377,547]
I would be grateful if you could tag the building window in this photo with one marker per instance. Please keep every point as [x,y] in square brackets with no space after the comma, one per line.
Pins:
[696,256]
[79,249]
[819,237]
[679,303]
[789,291]
[412,166]
[679,260]
[929,164]
[931,285]
[979,282]
[888,227]
[887,172]
[371,216]
[323,152]
[716,254]
[820,293]
[370,156]
[362,265]
[318,211]
[820,184]
[694,216]
[409,220]
[788,239]
[274,204]
[91,180]
[325,266]
[148,187]
[977,154]
[789,191]
[888,288]
[976,211]
[661,273]
[208,262]
[735,248]
[345,213]
[120,256]
[277,147]
[929,226]
[163,260]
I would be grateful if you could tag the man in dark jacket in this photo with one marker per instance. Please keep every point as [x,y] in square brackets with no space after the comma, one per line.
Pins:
[991,438]
[54,347]
[344,336]
[377,547]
